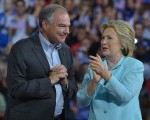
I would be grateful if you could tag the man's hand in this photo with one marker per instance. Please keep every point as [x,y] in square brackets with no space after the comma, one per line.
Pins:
[59,73]
[64,82]
[54,78]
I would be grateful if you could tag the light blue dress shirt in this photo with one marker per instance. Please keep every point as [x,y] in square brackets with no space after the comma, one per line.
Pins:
[53,58]
[118,98]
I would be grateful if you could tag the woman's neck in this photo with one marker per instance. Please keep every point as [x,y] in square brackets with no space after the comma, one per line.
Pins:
[113,60]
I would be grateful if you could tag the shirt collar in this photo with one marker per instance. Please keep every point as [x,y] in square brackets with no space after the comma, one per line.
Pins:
[47,44]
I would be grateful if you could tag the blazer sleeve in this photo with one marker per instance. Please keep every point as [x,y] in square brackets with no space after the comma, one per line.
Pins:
[18,84]
[129,86]
[82,95]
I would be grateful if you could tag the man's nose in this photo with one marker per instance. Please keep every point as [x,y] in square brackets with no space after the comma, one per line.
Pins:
[67,30]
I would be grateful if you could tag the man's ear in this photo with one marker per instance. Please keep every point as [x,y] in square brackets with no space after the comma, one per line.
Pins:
[45,25]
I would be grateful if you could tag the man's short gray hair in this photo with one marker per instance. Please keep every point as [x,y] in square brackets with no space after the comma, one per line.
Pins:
[47,12]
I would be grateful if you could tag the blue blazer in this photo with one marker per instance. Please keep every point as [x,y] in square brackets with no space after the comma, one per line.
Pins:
[118,98]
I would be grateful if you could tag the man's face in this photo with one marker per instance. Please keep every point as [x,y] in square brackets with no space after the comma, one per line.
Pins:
[20,7]
[138,31]
[58,29]
[8,5]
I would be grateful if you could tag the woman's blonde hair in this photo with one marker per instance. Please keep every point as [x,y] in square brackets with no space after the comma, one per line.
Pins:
[125,33]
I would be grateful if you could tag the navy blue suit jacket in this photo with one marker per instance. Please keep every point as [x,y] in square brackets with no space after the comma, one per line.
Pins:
[31,95]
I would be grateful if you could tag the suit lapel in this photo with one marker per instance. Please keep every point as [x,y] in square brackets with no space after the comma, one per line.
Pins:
[62,56]
[39,53]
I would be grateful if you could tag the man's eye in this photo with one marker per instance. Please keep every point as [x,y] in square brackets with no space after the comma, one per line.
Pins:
[61,26]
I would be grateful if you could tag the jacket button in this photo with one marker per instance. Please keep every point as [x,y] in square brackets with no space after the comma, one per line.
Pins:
[105,111]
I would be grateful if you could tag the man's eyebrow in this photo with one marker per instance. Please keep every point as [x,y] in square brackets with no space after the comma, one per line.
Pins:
[63,25]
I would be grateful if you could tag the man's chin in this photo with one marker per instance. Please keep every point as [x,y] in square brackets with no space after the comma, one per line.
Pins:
[62,40]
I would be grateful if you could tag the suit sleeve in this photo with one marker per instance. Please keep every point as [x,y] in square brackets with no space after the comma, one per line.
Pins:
[72,87]
[18,84]
[130,85]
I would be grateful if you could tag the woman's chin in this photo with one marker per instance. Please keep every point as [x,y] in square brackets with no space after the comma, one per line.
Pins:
[105,54]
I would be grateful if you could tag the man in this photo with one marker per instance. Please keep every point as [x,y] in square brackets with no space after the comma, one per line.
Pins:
[40,70]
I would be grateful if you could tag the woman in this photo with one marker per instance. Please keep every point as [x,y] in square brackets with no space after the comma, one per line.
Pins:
[111,86]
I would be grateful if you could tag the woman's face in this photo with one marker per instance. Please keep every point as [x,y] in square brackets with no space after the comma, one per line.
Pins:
[110,43]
